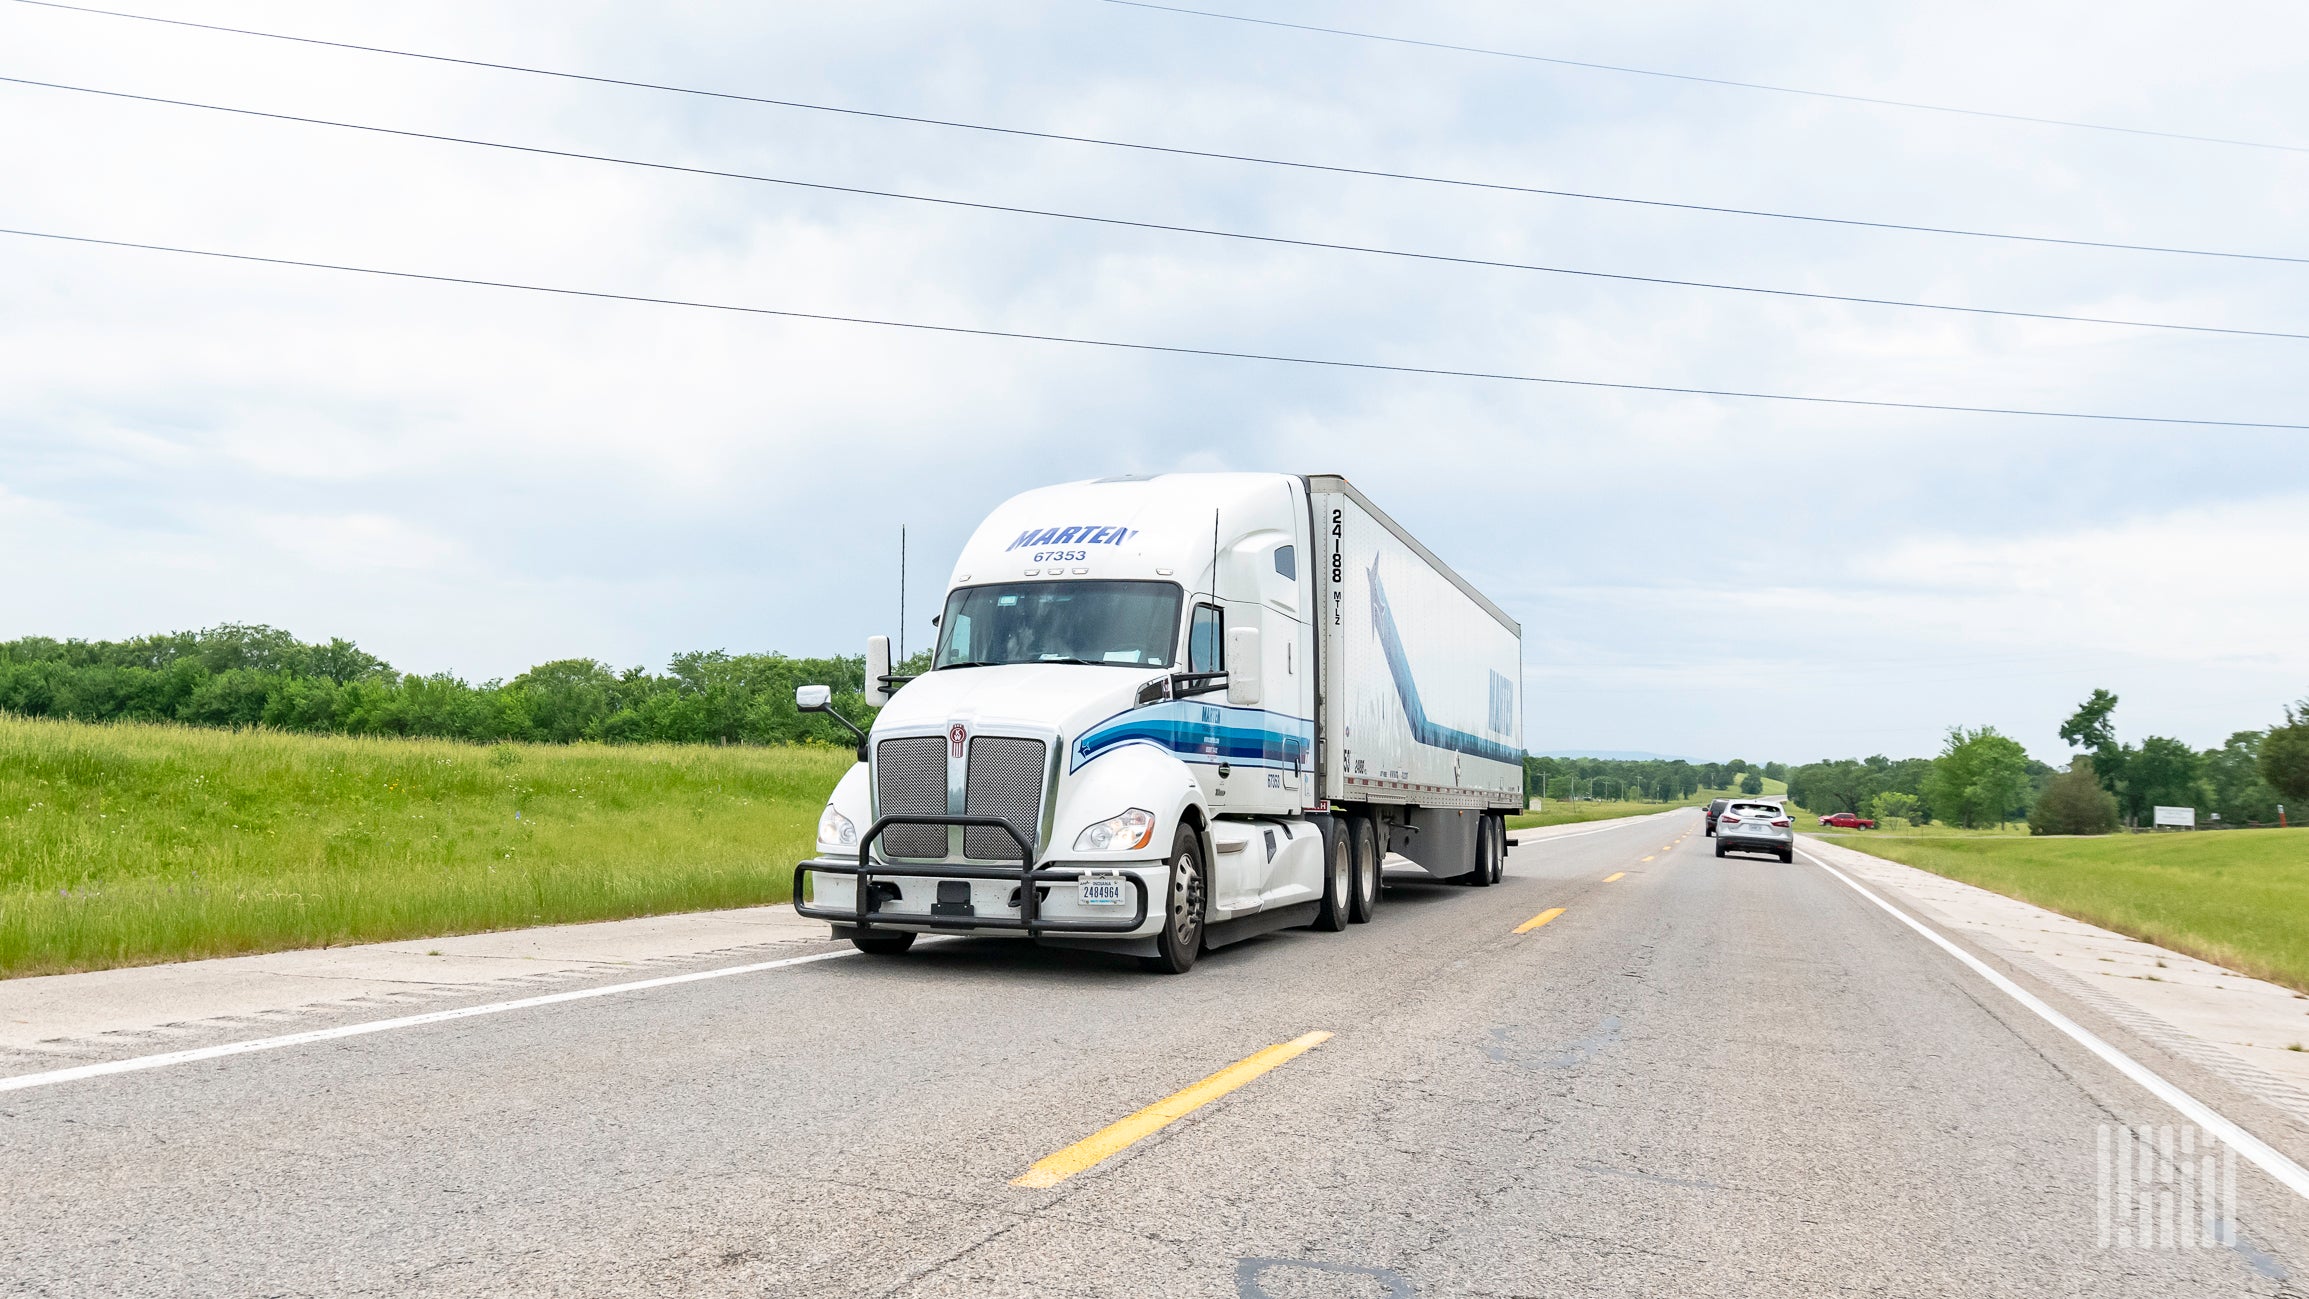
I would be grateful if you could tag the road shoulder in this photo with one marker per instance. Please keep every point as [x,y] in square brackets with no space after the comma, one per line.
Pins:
[2239,1028]
[69,1017]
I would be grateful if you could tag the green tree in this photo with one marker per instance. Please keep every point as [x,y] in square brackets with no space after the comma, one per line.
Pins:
[2233,780]
[1892,806]
[1841,786]
[1752,784]
[1977,778]
[2074,803]
[2284,757]
[2163,772]
[2091,728]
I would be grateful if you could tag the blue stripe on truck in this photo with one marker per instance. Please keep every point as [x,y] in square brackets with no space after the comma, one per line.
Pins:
[1206,733]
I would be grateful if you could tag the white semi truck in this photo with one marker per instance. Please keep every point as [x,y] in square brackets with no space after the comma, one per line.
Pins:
[1171,712]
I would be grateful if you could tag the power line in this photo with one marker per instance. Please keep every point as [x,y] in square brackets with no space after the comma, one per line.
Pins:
[1713,81]
[1172,228]
[1372,173]
[1076,340]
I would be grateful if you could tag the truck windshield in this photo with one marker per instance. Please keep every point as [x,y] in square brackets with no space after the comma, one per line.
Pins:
[1128,624]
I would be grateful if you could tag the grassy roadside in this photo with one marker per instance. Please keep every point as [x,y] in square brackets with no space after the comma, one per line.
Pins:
[129,844]
[2238,898]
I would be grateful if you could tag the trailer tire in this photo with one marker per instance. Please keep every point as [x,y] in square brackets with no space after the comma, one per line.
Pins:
[1369,877]
[1184,899]
[1498,849]
[1483,874]
[883,942]
[1338,876]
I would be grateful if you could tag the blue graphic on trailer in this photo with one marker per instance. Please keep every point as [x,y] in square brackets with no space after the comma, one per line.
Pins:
[1205,733]
[1423,729]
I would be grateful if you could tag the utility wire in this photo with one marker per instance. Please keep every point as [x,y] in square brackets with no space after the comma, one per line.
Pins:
[1076,340]
[1180,152]
[1169,228]
[1713,81]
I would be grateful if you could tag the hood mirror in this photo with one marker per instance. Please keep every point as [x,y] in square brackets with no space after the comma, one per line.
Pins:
[820,699]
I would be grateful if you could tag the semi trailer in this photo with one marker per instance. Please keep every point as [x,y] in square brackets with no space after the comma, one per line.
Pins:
[1170,712]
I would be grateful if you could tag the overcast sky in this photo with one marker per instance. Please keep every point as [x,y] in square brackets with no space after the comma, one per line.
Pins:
[476,480]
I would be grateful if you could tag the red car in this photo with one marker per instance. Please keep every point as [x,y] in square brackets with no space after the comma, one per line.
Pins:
[1847,821]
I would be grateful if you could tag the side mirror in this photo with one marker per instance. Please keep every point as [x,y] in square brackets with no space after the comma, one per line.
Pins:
[820,699]
[877,667]
[1243,666]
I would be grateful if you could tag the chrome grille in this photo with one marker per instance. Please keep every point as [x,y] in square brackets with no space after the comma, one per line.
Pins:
[910,779]
[1004,779]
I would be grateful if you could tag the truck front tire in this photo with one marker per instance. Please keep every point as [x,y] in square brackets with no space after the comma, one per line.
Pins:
[1185,897]
[883,942]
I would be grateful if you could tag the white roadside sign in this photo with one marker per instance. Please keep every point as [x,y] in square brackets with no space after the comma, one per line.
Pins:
[2185,817]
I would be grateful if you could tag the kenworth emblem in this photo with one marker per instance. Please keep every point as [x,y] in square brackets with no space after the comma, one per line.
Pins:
[955,735]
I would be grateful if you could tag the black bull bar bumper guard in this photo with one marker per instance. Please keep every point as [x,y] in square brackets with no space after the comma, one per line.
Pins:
[1025,876]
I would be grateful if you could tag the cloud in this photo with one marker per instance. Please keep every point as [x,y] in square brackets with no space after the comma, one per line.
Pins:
[482,479]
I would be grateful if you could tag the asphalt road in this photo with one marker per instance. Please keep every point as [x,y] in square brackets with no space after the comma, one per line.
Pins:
[1703,1077]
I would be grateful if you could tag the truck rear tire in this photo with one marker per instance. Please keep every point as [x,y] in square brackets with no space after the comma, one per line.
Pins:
[1498,849]
[1369,881]
[1181,938]
[1484,872]
[883,942]
[1338,876]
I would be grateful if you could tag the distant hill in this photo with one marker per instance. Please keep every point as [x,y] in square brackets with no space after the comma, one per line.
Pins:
[1612,755]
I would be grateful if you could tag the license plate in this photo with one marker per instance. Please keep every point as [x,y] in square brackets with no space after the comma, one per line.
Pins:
[1106,892]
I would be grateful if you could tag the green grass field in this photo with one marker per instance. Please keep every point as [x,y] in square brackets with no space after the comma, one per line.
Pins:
[128,844]
[2238,898]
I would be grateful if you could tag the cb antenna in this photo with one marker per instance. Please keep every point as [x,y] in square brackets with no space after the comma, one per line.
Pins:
[901,596]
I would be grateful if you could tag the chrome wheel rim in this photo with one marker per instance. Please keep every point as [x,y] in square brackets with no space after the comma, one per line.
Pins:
[1186,900]
[1342,866]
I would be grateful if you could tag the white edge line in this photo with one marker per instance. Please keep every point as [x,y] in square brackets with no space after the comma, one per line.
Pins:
[2291,1175]
[54,1076]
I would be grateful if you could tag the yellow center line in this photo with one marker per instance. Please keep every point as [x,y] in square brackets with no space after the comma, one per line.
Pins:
[1615,875]
[1538,920]
[1056,1167]
[1647,859]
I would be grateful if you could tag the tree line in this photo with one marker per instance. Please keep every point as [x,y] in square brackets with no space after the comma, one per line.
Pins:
[244,676]
[1657,780]
[1981,778]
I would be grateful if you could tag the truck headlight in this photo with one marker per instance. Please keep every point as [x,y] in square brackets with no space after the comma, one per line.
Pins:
[1122,833]
[835,829]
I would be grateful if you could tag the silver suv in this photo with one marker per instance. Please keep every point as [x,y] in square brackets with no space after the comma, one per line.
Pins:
[1754,825]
